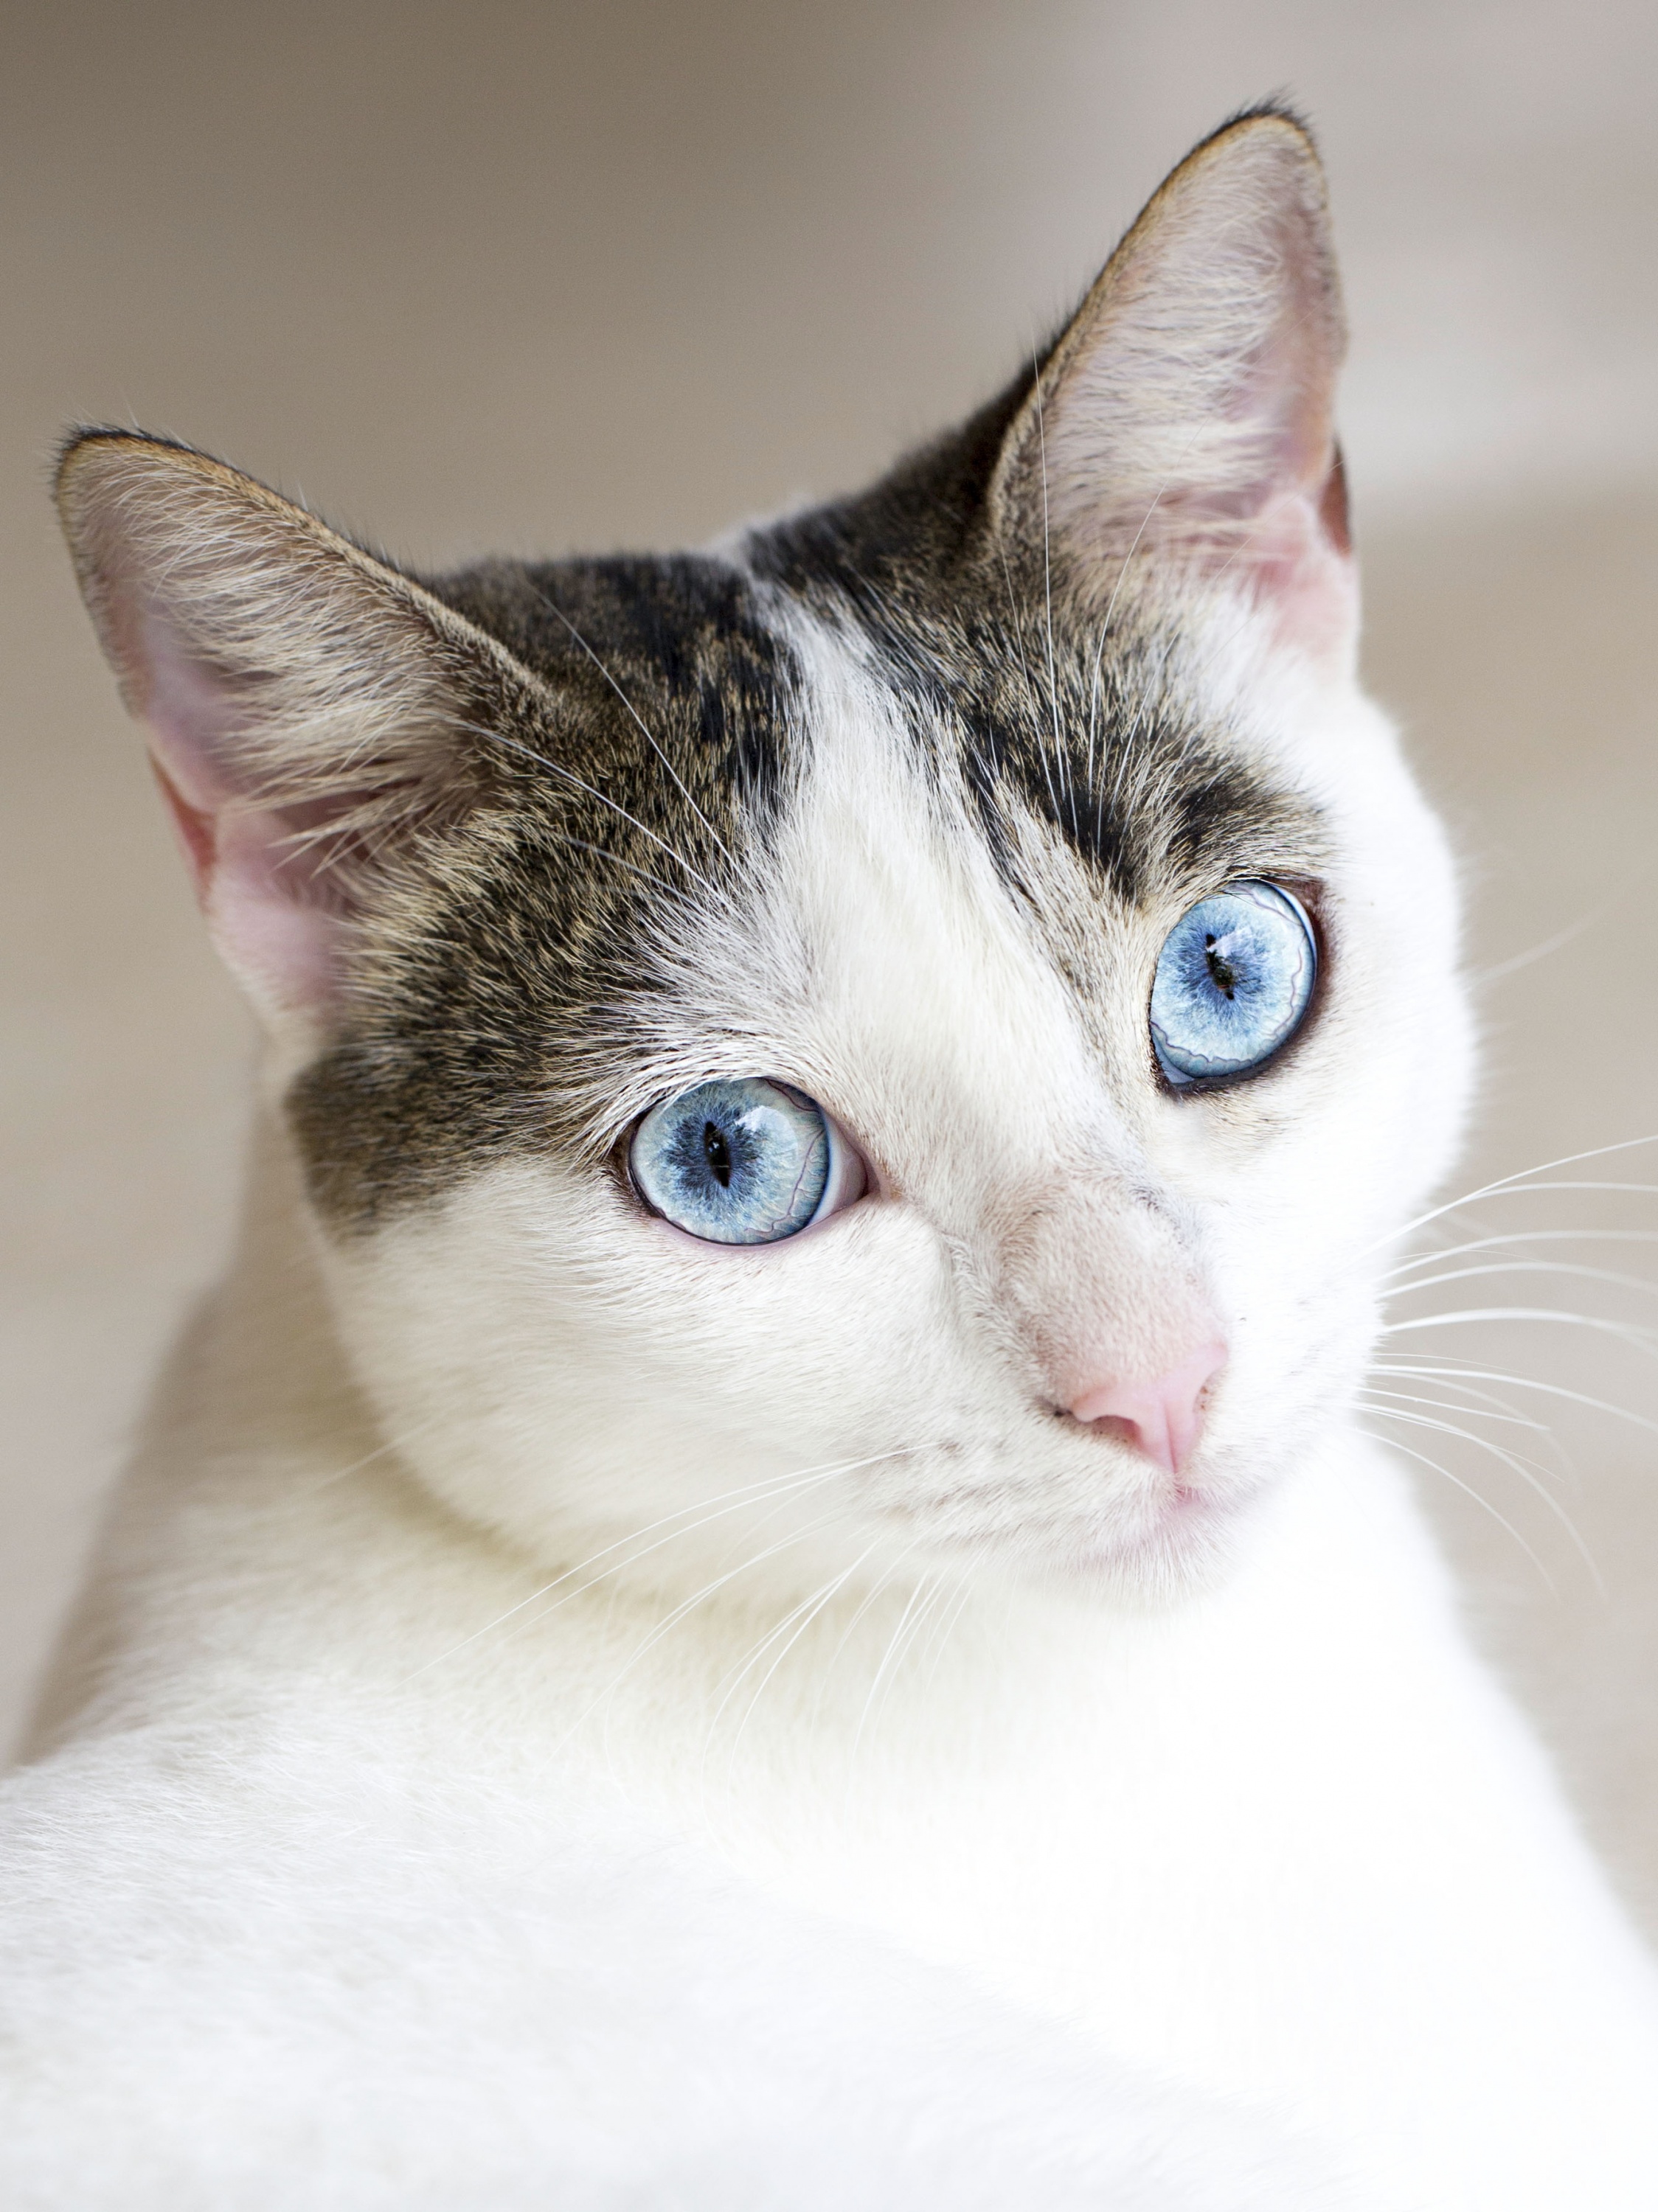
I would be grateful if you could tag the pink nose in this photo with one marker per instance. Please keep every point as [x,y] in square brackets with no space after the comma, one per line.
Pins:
[1163,1419]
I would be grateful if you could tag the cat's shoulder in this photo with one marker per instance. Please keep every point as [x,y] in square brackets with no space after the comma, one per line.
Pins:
[298,1952]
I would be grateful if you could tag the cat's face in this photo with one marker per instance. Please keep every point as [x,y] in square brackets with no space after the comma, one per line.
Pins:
[890,1046]
[1042,1209]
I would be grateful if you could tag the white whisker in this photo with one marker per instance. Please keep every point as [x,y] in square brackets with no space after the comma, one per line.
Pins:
[1437,1255]
[1558,943]
[1525,1382]
[557,769]
[895,1644]
[679,1613]
[799,1620]
[1626,1331]
[1520,1180]
[1392,1443]
[1450,1405]
[702,1514]
[553,608]
[1528,1474]
[1532,1268]
[944,1634]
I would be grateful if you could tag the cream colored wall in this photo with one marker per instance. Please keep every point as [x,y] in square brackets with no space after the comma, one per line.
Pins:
[533,276]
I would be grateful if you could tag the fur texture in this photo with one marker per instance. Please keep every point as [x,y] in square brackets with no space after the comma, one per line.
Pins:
[571,1713]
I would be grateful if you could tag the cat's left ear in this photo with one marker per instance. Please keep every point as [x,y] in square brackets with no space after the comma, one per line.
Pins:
[1183,423]
[310,711]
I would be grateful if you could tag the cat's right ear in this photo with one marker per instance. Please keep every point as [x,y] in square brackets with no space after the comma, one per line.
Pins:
[307,707]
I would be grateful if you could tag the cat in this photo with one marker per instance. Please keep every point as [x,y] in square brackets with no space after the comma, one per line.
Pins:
[762,1587]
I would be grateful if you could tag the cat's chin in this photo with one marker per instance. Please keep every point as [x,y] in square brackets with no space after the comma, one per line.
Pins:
[1186,1540]
[1189,1543]
[1193,1543]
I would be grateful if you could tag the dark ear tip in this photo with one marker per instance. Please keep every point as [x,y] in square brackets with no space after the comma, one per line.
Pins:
[1276,116]
[74,449]
[1265,156]
[82,440]
[90,452]
[1272,134]
[102,447]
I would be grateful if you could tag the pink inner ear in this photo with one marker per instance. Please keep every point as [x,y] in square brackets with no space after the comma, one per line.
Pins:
[1296,553]
[282,946]
[194,828]
[1303,573]
[1300,547]
[256,894]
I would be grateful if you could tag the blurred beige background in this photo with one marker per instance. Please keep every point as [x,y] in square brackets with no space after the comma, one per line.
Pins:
[525,276]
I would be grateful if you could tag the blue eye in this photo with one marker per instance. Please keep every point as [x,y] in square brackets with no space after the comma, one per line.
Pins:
[743,1162]
[1233,982]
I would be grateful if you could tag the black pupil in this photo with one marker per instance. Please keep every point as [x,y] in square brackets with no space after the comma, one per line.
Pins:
[1222,973]
[718,1152]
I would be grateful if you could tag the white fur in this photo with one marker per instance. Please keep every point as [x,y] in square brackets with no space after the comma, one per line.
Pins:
[397,1864]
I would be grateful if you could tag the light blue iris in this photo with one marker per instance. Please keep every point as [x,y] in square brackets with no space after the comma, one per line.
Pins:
[743,1162]
[1233,978]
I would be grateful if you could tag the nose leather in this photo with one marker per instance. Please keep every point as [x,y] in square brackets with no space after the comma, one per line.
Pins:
[1162,1416]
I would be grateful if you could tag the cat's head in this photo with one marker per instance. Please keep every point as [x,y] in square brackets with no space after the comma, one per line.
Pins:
[892,1043]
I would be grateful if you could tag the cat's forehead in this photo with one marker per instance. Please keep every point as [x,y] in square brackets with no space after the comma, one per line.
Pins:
[709,684]
[674,679]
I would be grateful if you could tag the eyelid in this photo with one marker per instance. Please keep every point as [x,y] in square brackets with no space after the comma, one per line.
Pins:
[850,1176]
[1296,895]
[1310,894]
